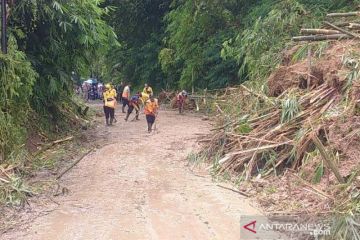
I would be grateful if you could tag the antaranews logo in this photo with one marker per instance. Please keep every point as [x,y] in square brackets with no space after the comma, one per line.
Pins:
[282,227]
[251,227]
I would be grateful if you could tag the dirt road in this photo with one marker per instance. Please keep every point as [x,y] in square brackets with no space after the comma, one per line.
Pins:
[139,187]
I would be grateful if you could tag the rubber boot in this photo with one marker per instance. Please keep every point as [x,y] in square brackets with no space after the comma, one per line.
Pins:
[123,109]
[107,122]
[111,121]
[149,127]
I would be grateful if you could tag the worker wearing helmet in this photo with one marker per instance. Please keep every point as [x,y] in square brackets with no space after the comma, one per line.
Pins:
[148,90]
[109,104]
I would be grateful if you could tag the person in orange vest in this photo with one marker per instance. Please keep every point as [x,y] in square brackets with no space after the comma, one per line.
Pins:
[151,111]
[109,104]
[126,97]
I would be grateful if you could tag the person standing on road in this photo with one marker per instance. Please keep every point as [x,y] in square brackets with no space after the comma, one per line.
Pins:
[120,89]
[181,97]
[109,104]
[126,97]
[151,111]
[134,104]
[148,90]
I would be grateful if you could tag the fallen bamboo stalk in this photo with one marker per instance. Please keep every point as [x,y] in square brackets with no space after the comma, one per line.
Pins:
[5,181]
[63,140]
[327,158]
[354,25]
[318,31]
[264,97]
[237,191]
[260,148]
[347,14]
[342,30]
[47,146]
[74,164]
[321,37]
[310,186]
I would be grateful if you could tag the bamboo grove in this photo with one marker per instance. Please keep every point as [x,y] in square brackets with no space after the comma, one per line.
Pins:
[169,43]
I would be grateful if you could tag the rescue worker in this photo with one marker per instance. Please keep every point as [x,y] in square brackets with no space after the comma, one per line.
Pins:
[148,90]
[151,111]
[126,97]
[109,104]
[144,97]
[134,104]
[181,97]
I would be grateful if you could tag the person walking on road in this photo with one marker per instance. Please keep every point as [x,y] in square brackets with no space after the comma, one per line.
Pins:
[109,104]
[151,111]
[148,90]
[126,97]
[134,104]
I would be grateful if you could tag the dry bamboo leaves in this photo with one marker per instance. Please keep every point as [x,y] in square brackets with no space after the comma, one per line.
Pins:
[244,152]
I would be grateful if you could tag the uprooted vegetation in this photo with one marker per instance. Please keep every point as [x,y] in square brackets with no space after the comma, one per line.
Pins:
[299,141]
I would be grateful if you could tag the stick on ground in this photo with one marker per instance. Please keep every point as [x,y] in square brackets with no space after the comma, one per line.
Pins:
[241,193]
[74,164]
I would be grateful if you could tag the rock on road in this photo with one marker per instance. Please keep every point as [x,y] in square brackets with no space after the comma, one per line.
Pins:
[139,187]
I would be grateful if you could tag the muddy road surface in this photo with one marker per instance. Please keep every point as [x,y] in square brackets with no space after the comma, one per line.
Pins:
[138,186]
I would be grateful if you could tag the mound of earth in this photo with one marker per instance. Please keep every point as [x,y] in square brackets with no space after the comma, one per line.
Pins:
[329,68]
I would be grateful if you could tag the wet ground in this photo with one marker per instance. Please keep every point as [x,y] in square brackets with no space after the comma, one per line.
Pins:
[138,186]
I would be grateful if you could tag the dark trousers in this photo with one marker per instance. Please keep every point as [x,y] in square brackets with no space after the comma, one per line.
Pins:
[150,121]
[109,112]
[131,109]
[125,102]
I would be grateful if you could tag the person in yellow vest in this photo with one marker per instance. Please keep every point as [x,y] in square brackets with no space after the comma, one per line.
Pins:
[148,90]
[126,97]
[144,97]
[151,111]
[109,104]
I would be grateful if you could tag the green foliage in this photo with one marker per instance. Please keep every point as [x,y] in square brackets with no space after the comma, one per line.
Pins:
[319,173]
[14,192]
[290,108]
[195,32]
[138,25]
[48,41]
[17,78]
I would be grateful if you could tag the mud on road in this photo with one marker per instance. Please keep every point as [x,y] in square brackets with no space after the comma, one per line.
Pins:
[138,186]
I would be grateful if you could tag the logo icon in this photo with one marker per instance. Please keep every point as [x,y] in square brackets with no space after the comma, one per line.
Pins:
[251,226]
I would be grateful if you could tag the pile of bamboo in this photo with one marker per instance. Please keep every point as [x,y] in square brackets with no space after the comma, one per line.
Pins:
[333,31]
[248,153]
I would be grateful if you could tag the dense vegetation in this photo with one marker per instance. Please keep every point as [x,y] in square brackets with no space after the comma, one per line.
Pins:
[47,41]
[207,44]
[168,43]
